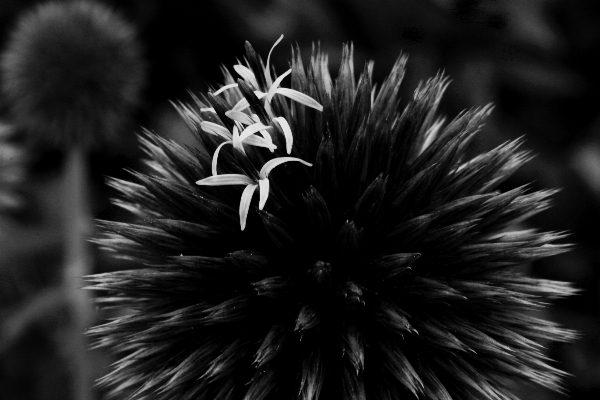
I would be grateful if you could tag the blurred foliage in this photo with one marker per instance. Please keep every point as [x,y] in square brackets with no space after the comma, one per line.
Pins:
[12,161]
[533,59]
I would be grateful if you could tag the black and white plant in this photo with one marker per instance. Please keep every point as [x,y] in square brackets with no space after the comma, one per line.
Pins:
[72,73]
[376,260]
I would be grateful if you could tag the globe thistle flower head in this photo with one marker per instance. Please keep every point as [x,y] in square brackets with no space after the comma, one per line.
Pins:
[72,72]
[376,262]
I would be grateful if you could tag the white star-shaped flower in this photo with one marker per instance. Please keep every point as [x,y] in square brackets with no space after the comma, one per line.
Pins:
[251,184]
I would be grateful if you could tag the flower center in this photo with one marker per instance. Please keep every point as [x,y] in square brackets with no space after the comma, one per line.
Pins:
[346,291]
[320,273]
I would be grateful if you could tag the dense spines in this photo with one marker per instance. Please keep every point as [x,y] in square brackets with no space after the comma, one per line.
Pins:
[389,269]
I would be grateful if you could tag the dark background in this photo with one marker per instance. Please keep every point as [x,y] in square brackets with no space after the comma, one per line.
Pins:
[536,60]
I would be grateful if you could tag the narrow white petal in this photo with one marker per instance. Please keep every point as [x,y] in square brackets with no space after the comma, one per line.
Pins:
[264,133]
[216,156]
[224,88]
[243,103]
[275,85]
[215,129]
[239,117]
[268,68]
[263,186]
[237,141]
[252,129]
[208,109]
[246,74]
[260,142]
[268,138]
[245,203]
[269,110]
[287,132]
[226,179]
[269,165]
[300,98]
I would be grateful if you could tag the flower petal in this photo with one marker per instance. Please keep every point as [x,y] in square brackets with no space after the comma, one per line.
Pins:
[224,88]
[264,133]
[208,109]
[300,98]
[287,132]
[269,110]
[269,165]
[245,203]
[243,103]
[215,129]
[275,85]
[260,142]
[268,138]
[216,156]
[268,67]
[252,129]
[263,186]
[237,141]
[225,179]
[239,117]
[246,74]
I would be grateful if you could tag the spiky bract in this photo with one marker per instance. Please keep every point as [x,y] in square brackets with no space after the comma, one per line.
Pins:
[72,73]
[387,270]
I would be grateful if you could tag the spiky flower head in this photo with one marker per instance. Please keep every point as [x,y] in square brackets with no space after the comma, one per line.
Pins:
[72,72]
[377,262]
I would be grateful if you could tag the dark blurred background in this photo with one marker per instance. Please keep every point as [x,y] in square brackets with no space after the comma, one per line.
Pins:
[534,59]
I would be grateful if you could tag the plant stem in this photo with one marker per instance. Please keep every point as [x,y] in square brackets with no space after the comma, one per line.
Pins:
[77,263]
